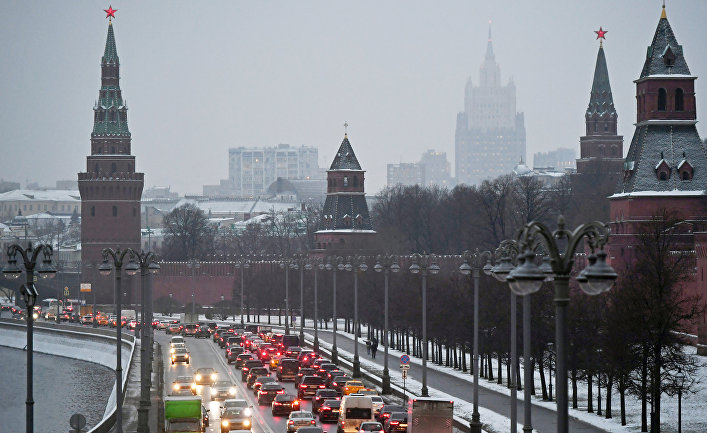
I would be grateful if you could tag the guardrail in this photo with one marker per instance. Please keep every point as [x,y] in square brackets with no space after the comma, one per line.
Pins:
[81,333]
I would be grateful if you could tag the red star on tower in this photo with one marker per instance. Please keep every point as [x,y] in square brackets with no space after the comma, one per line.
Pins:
[110,12]
[600,33]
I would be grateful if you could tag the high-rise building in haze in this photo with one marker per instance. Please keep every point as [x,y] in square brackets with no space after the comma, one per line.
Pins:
[437,168]
[406,173]
[110,188]
[490,135]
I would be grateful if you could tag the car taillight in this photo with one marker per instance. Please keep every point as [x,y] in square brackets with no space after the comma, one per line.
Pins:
[303,386]
[313,422]
[394,422]
[322,386]
[290,422]
[282,391]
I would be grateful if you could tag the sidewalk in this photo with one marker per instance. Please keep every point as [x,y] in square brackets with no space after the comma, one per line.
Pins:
[543,419]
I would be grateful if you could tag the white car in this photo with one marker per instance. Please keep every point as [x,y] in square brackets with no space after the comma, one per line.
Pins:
[298,419]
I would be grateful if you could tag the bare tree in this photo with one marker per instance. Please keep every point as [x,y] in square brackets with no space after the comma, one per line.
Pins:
[188,234]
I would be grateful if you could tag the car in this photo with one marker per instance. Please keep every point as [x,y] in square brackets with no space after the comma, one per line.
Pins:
[260,381]
[329,411]
[352,387]
[222,389]
[326,368]
[202,332]
[299,419]
[86,319]
[289,341]
[309,386]
[274,362]
[173,328]
[242,358]
[245,370]
[205,376]
[233,342]
[303,372]
[283,404]
[287,369]
[183,383]
[371,426]
[320,396]
[387,409]
[237,403]
[254,374]
[102,320]
[293,352]
[180,355]
[163,324]
[377,403]
[396,422]
[132,324]
[235,418]
[175,346]
[267,352]
[176,339]
[268,392]
[189,329]
[232,353]
[331,375]
[204,416]
[338,383]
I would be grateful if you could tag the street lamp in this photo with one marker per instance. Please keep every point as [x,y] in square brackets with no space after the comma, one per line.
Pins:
[242,265]
[317,265]
[170,305]
[425,263]
[146,262]
[29,295]
[117,256]
[193,265]
[680,382]
[300,263]
[286,264]
[473,263]
[356,264]
[334,264]
[596,278]
[386,263]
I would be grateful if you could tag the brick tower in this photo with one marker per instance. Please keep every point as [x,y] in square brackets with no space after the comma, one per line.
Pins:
[110,188]
[345,224]
[600,164]
[666,165]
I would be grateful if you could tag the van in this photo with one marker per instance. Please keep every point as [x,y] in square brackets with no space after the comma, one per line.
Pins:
[355,409]
[287,369]
[289,341]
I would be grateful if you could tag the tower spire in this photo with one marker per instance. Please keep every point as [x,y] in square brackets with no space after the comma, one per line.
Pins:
[489,45]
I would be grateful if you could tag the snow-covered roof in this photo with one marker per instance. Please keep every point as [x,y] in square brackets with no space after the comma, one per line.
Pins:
[43,195]
[237,206]
[671,193]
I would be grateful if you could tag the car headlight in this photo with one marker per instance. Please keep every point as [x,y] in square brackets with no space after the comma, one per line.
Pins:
[248,411]
[193,386]
[213,376]
[214,391]
[176,387]
[186,355]
[198,377]
[171,350]
[224,423]
[246,423]
[232,391]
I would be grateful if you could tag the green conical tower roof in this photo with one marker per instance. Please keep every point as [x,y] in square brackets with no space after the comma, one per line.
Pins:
[110,55]
[345,158]
[664,56]
[601,101]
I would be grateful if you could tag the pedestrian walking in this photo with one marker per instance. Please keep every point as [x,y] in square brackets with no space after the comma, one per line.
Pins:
[368,347]
[374,347]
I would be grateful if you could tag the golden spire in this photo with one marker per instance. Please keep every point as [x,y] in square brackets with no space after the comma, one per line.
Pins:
[662,14]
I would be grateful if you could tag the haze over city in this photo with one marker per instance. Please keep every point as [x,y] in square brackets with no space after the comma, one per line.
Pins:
[202,77]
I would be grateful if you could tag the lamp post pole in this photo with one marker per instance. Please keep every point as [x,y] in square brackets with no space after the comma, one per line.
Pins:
[334,264]
[193,265]
[472,265]
[286,264]
[242,265]
[680,379]
[301,262]
[29,293]
[317,265]
[386,263]
[596,278]
[148,267]
[117,256]
[356,264]
[425,264]
[170,305]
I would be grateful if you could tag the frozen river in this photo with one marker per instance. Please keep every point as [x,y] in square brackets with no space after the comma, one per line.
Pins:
[62,387]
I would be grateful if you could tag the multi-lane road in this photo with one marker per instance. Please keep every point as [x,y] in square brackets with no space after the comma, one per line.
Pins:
[205,353]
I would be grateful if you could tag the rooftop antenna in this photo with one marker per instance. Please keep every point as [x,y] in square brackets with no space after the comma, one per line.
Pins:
[346,128]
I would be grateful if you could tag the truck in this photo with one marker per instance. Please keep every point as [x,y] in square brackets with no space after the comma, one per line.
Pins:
[429,415]
[188,318]
[184,414]
[355,409]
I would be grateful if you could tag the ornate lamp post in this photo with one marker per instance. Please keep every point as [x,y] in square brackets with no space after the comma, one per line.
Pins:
[356,264]
[317,265]
[427,264]
[242,264]
[386,263]
[300,262]
[596,278]
[193,265]
[117,256]
[334,264]
[472,265]
[680,382]
[286,264]
[146,261]
[29,295]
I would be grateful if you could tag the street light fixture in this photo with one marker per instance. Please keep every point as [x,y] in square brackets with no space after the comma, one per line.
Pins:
[473,263]
[317,265]
[300,262]
[596,278]
[29,293]
[424,263]
[356,264]
[117,257]
[242,264]
[386,263]
[680,382]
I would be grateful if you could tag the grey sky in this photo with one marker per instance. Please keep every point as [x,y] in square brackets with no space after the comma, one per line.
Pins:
[200,77]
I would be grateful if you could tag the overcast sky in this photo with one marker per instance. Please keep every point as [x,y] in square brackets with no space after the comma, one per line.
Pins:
[200,77]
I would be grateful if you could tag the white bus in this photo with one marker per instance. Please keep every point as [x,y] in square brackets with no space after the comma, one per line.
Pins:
[355,409]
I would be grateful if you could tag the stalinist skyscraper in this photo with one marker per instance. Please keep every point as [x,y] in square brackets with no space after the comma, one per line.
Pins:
[490,136]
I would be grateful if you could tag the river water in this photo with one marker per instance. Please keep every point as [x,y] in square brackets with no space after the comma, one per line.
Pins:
[62,387]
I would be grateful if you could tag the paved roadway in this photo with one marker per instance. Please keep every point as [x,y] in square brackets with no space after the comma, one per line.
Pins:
[206,353]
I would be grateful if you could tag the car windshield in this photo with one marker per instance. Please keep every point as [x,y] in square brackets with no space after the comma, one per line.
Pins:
[222,384]
[205,371]
[333,403]
[180,350]
[371,426]
[233,413]
[301,415]
[235,403]
[183,379]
